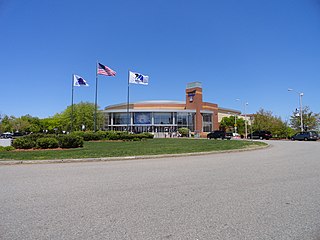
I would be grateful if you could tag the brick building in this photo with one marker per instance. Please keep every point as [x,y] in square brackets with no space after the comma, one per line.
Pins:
[167,116]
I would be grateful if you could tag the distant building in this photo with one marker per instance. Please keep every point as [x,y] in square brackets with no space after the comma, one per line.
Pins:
[168,116]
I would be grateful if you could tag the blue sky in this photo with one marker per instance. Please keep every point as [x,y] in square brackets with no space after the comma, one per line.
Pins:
[253,50]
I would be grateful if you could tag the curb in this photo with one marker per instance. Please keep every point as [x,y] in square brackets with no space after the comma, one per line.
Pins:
[109,159]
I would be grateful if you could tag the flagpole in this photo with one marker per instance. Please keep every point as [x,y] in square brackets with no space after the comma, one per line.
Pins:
[96,100]
[72,102]
[128,116]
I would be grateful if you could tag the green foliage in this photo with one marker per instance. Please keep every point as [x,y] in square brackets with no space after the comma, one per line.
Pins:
[35,136]
[310,120]
[22,124]
[264,120]
[91,136]
[146,135]
[23,143]
[132,148]
[184,132]
[74,140]
[6,149]
[47,142]
[228,124]
[70,141]
[125,136]
[83,115]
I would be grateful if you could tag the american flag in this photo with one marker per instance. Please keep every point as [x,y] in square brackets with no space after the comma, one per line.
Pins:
[104,70]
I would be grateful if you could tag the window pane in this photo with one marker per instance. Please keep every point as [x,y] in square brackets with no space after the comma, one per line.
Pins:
[163,118]
[120,118]
[142,118]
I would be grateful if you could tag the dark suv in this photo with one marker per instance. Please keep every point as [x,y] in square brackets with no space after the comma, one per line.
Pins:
[260,135]
[306,136]
[218,134]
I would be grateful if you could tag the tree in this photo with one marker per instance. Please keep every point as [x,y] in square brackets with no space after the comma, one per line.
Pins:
[6,124]
[228,124]
[265,120]
[310,120]
[83,118]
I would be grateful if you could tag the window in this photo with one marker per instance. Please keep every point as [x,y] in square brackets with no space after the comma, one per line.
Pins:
[142,118]
[206,122]
[185,120]
[120,118]
[163,118]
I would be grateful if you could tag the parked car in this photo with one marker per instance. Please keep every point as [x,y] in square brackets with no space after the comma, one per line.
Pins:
[306,136]
[219,134]
[6,135]
[260,135]
[229,135]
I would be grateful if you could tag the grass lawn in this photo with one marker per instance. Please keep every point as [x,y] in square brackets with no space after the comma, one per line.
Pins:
[138,148]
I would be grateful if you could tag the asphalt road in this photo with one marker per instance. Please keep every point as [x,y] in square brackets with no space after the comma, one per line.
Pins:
[272,193]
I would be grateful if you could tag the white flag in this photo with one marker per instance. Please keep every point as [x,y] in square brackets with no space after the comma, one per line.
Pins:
[79,81]
[138,78]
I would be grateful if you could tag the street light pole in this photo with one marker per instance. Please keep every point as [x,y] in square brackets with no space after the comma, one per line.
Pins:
[300,103]
[245,118]
[235,124]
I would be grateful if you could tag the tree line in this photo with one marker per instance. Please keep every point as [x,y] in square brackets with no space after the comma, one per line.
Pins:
[83,119]
[265,120]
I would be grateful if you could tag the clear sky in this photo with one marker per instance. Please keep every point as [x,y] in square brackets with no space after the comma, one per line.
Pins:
[253,50]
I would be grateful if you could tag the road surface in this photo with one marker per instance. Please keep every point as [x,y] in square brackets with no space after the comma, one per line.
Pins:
[272,193]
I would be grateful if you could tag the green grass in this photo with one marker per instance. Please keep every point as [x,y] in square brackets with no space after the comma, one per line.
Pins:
[120,149]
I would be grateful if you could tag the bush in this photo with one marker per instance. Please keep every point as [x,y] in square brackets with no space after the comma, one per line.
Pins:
[91,136]
[35,136]
[147,135]
[48,142]
[184,132]
[70,141]
[23,143]
[7,148]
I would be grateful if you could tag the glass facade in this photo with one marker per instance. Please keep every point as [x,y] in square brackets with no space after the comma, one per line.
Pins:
[185,119]
[142,118]
[120,118]
[150,121]
[163,118]
[206,122]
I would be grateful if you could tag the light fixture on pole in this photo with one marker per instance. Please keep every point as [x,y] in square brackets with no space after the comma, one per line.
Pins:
[245,117]
[300,103]
[245,120]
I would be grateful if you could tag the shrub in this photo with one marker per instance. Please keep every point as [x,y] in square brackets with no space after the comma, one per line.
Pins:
[70,141]
[114,135]
[184,132]
[23,143]
[125,136]
[146,135]
[48,142]
[35,136]
[7,148]
[91,136]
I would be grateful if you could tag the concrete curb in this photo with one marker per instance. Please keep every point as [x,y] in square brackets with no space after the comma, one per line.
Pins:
[108,159]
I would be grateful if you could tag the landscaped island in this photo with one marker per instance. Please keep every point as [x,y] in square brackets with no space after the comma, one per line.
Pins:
[116,148]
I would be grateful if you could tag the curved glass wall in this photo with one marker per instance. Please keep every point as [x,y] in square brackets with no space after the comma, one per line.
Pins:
[150,121]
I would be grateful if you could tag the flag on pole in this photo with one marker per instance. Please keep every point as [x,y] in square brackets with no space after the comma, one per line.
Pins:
[79,81]
[138,78]
[104,70]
